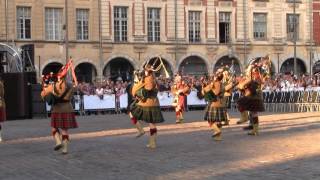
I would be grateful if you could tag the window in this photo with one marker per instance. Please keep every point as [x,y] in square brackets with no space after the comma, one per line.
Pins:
[24,22]
[194,26]
[120,24]
[224,27]
[53,21]
[292,27]
[260,26]
[82,24]
[153,24]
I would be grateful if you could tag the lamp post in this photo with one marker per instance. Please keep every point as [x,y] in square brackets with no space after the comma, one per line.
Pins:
[100,41]
[278,61]
[176,32]
[6,18]
[311,34]
[66,30]
[245,32]
[295,39]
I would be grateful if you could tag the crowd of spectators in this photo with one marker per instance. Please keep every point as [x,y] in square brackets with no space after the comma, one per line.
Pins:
[118,87]
[288,82]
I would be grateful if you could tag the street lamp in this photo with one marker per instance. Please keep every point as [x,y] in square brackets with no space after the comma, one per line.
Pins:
[230,52]
[311,59]
[295,39]
[66,30]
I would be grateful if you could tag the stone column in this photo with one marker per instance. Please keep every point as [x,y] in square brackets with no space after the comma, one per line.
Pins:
[138,21]
[211,21]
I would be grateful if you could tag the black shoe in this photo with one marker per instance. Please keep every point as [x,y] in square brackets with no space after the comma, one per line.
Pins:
[215,135]
[253,134]
[58,147]
[250,127]
[241,122]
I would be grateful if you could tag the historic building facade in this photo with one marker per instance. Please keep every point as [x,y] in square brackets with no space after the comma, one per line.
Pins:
[39,27]
[191,36]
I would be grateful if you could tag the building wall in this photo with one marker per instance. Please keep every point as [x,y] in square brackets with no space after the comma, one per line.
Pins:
[209,48]
[316,21]
[174,45]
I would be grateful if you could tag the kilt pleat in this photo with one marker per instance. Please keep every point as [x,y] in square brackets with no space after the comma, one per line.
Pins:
[226,101]
[215,114]
[63,120]
[2,114]
[147,114]
[181,102]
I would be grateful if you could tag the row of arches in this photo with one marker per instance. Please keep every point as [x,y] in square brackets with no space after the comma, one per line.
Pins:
[122,68]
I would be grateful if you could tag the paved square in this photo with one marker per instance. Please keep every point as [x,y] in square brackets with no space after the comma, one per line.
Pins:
[104,147]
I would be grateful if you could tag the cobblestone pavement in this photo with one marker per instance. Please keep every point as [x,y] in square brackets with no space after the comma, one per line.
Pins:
[104,147]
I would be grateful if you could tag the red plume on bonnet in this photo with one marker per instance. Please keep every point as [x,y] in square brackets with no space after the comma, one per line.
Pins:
[64,70]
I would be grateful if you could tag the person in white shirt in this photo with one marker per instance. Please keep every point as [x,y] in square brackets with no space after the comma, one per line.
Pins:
[99,92]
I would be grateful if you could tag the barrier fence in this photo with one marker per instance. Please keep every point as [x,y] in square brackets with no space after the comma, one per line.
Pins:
[275,101]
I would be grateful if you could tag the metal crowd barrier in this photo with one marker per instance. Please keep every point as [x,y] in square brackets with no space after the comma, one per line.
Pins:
[274,101]
[287,101]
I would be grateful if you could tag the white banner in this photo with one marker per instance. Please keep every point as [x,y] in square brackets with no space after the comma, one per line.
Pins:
[193,100]
[123,101]
[94,102]
[165,98]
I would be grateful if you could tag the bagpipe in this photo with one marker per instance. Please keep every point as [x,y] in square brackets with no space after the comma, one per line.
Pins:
[259,69]
[142,85]
[207,84]
[256,74]
[57,88]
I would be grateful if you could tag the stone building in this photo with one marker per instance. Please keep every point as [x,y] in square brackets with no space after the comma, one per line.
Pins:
[191,36]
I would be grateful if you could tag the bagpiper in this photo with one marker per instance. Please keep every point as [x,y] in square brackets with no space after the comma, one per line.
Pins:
[180,90]
[228,83]
[2,107]
[147,108]
[215,112]
[244,114]
[252,100]
[57,92]
[133,103]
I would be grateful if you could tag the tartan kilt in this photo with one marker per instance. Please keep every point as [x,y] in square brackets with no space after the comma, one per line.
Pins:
[251,103]
[215,114]
[131,105]
[181,102]
[3,116]
[150,114]
[63,120]
[226,101]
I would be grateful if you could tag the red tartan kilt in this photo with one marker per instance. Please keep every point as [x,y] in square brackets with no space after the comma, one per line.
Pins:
[2,114]
[63,120]
[181,102]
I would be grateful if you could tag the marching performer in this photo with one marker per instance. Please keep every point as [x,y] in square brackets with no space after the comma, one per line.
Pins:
[2,107]
[252,101]
[57,92]
[227,82]
[147,108]
[132,104]
[215,112]
[180,90]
